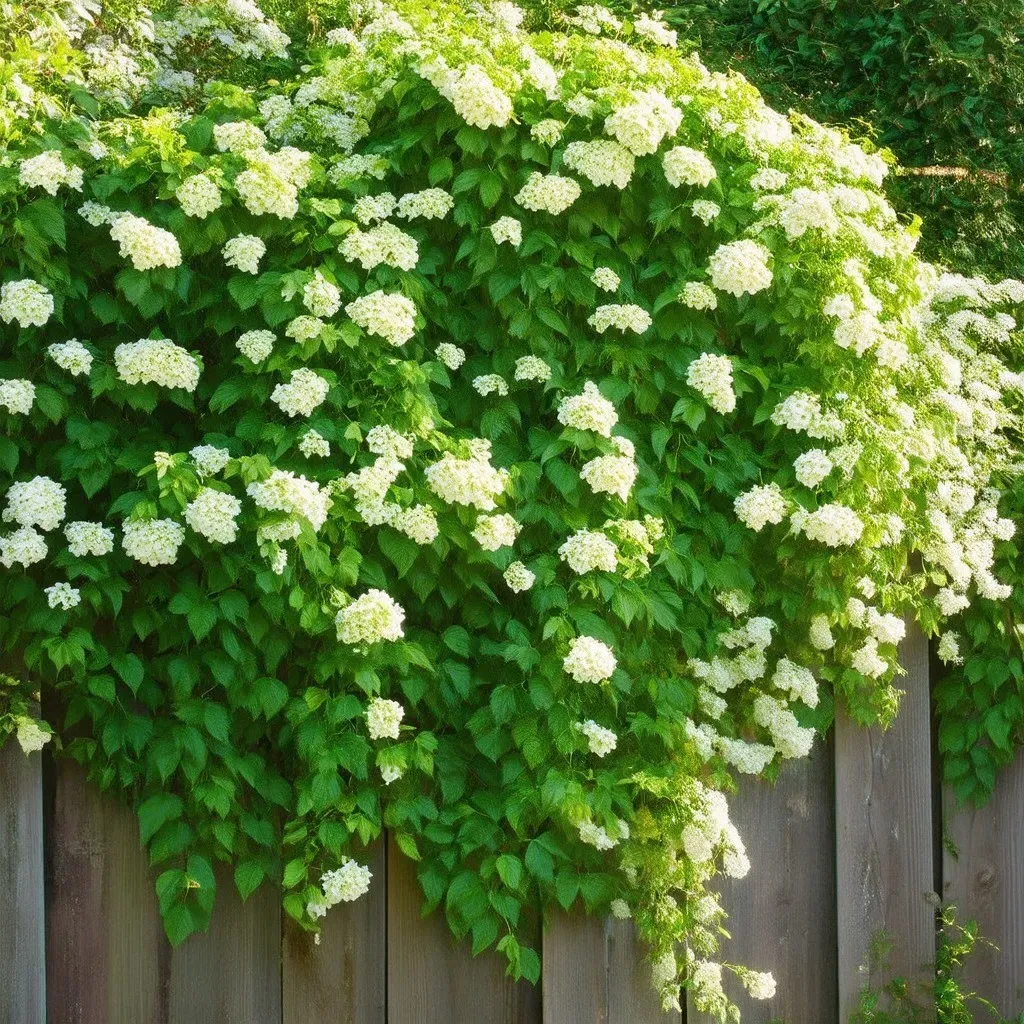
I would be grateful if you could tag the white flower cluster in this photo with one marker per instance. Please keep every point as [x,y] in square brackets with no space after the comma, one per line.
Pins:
[507,229]
[518,577]
[624,317]
[384,718]
[833,524]
[271,182]
[801,411]
[711,375]
[283,491]
[430,204]
[304,392]
[146,245]
[641,126]
[789,738]
[547,132]
[72,356]
[697,295]
[313,443]
[370,618]
[386,243]
[391,317]
[476,99]
[451,355]
[473,482]
[49,171]
[740,268]
[490,384]
[17,396]
[63,596]
[244,252]
[494,532]
[26,301]
[587,550]
[320,296]
[152,541]
[367,209]
[256,345]
[600,161]
[212,515]
[38,502]
[600,741]
[760,506]
[589,410]
[199,196]
[812,467]
[605,278]
[85,538]
[304,328]
[209,459]
[549,192]
[685,166]
[343,885]
[156,361]
[653,29]
[612,474]
[31,738]
[532,368]
[23,547]
[589,660]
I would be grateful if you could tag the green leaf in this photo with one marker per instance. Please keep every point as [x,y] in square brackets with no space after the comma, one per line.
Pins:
[155,812]
[248,876]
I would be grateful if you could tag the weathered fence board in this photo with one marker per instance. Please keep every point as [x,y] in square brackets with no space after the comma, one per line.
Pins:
[782,916]
[22,941]
[431,980]
[986,882]
[107,958]
[343,979]
[593,973]
[884,840]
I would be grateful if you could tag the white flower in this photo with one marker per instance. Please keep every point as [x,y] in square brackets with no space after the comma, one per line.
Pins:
[199,196]
[705,211]
[949,649]
[392,317]
[697,295]
[418,523]
[620,910]
[23,547]
[368,209]
[38,502]
[601,741]
[212,514]
[600,161]
[30,737]
[711,375]
[547,132]
[610,474]
[451,355]
[72,356]
[740,267]
[642,125]
[820,633]
[812,467]
[390,773]
[867,661]
[589,410]
[624,317]
[244,252]
[153,541]
[834,525]
[489,384]
[146,245]
[605,278]
[49,171]
[589,660]
[370,618]
[303,328]
[587,550]
[313,443]
[477,100]
[759,984]
[343,885]
[494,532]
[760,506]
[239,137]
[285,492]
[472,482]
[548,192]
[209,459]
[256,345]
[63,595]
[594,835]
[26,301]
[650,27]
[685,166]
[518,577]
[430,204]
[156,361]
[304,392]
[384,717]
[532,368]
[385,440]
[385,244]
[17,396]
[796,681]
[507,229]
[321,297]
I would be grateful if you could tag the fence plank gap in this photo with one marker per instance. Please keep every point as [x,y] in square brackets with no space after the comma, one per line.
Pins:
[884,856]
[22,940]
[594,973]
[782,916]
[433,980]
[106,955]
[343,979]
[985,879]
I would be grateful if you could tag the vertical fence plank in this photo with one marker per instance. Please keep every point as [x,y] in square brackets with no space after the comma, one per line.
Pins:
[594,973]
[343,979]
[22,941]
[232,974]
[884,848]
[782,916]
[431,980]
[986,882]
[106,956]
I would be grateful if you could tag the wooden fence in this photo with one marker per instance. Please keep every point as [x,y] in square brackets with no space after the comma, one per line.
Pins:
[852,841]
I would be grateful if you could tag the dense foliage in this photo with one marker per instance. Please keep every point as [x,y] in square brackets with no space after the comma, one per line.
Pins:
[498,437]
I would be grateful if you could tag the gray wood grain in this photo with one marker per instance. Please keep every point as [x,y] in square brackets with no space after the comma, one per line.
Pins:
[884,848]
[594,973]
[107,960]
[342,980]
[232,974]
[433,980]
[986,882]
[22,940]
[782,916]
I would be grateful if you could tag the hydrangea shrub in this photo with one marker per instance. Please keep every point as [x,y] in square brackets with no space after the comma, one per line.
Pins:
[504,438]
